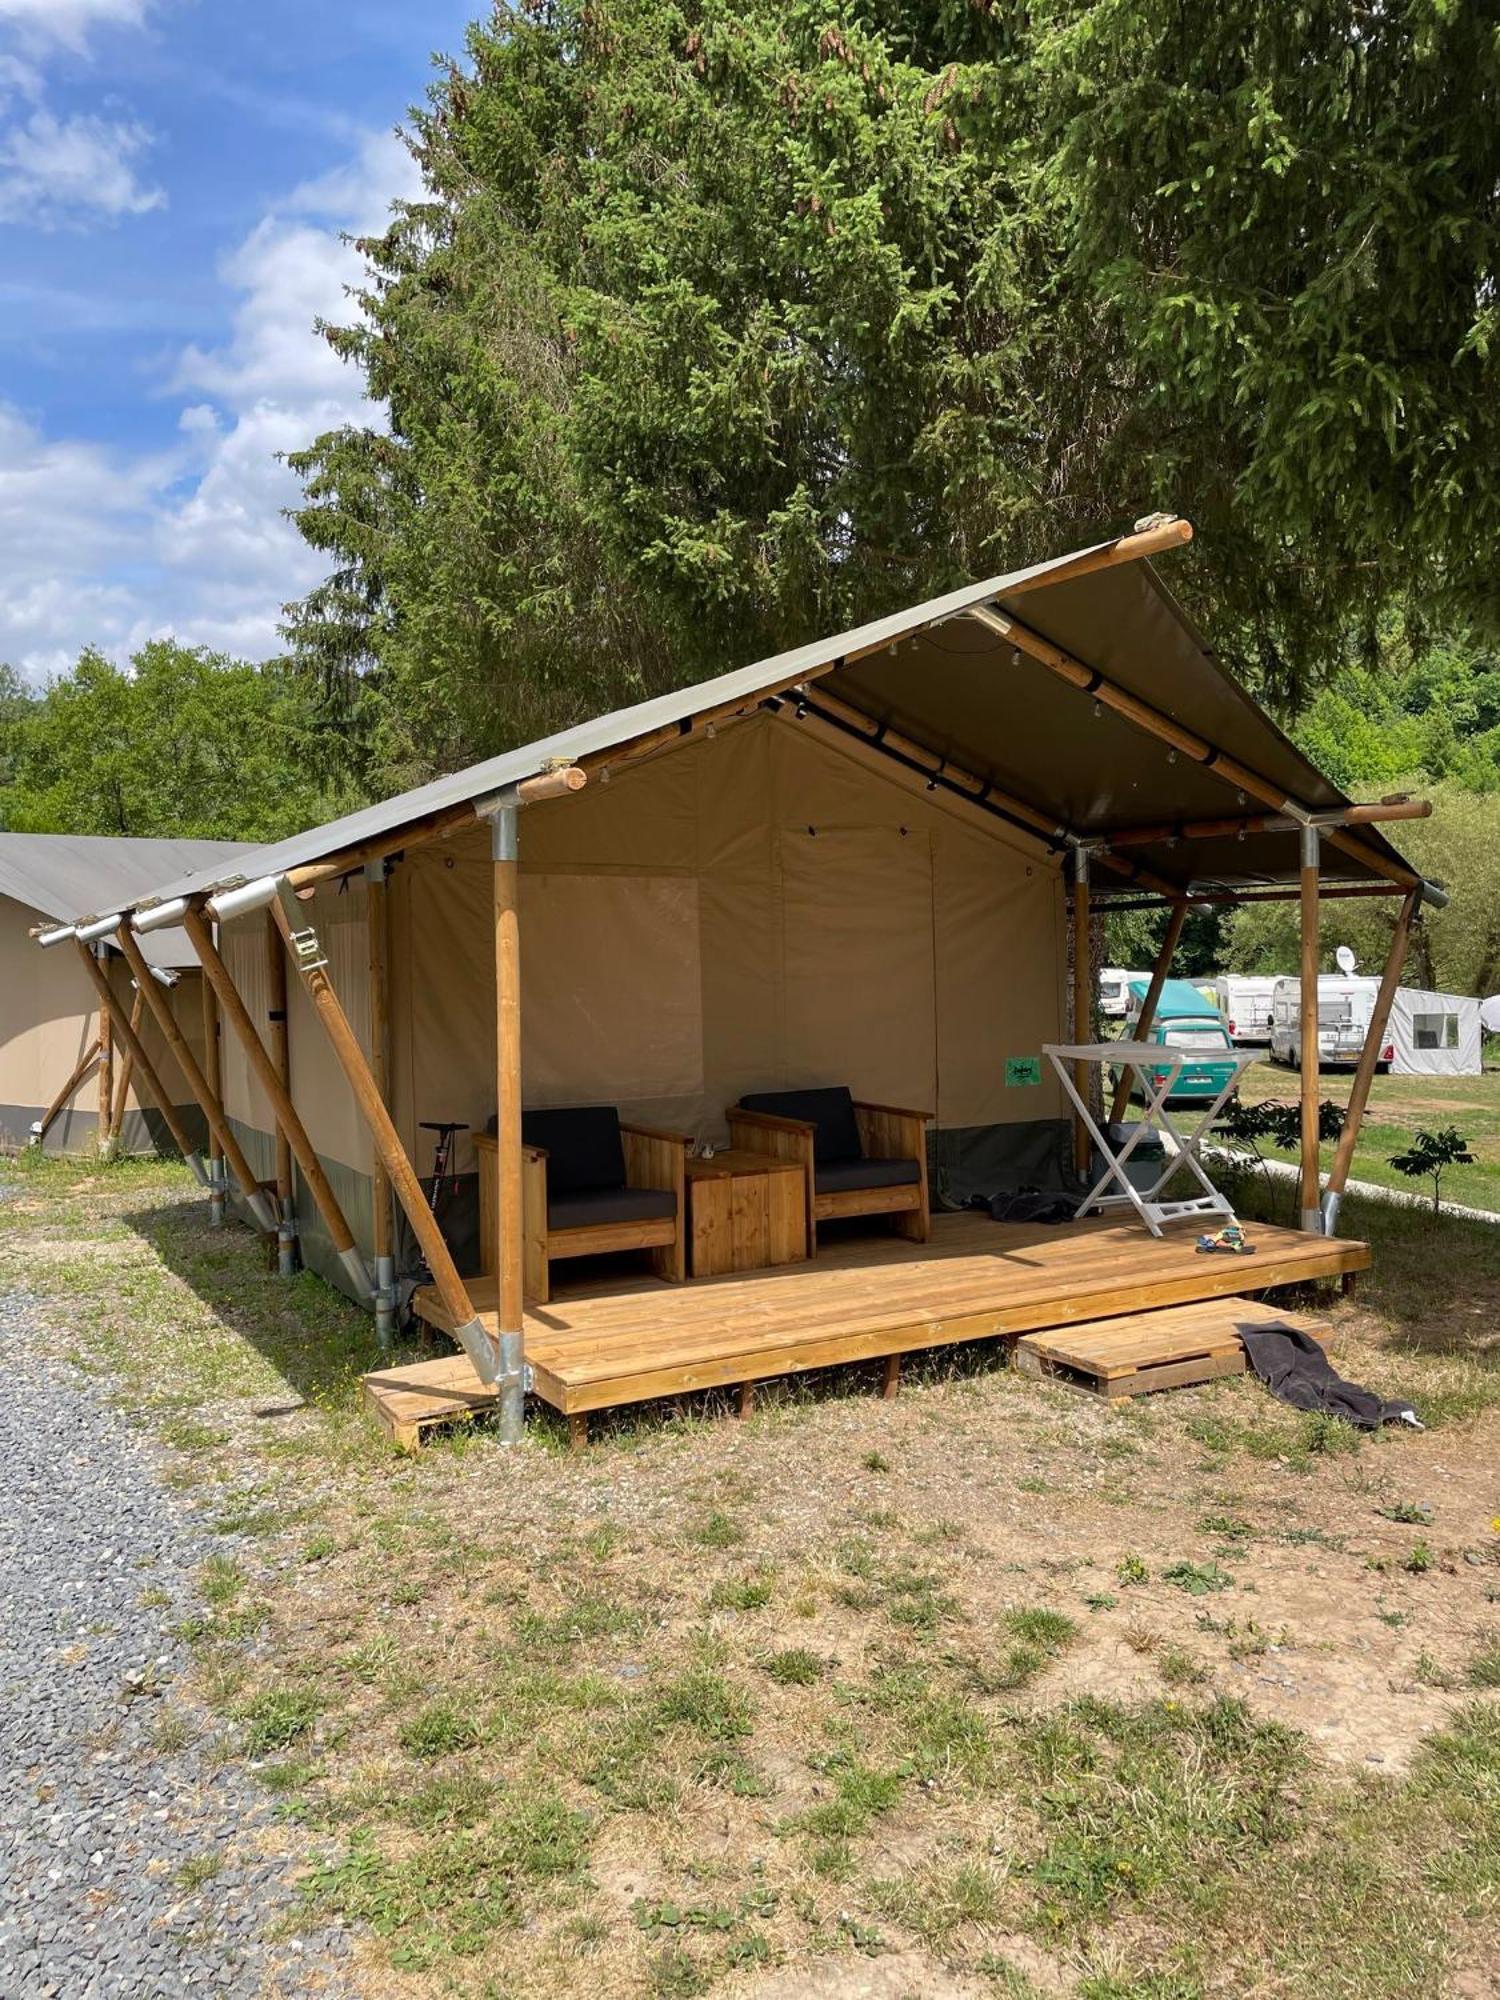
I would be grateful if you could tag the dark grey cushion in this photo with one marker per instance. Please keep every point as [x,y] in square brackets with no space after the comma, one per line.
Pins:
[582,1211]
[841,1175]
[830,1113]
[583,1146]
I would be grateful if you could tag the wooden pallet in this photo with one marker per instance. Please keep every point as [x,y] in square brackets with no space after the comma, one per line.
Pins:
[1141,1352]
[408,1401]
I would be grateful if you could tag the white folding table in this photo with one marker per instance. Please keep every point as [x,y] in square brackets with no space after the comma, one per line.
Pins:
[1150,1061]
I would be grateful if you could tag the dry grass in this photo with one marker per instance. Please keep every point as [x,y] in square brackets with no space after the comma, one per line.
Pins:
[992,1689]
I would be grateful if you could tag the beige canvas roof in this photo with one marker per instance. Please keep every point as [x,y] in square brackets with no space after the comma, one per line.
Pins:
[961,693]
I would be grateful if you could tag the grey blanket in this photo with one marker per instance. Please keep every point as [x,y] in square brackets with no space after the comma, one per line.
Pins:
[1294,1368]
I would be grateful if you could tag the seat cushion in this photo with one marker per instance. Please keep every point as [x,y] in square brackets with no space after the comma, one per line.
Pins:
[839,1176]
[830,1112]
[583,1146]
[582,1211]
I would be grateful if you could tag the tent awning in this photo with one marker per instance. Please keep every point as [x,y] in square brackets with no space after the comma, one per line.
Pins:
[67,875]
[956,691]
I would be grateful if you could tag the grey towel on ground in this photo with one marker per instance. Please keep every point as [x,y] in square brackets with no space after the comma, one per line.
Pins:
[1294,1368]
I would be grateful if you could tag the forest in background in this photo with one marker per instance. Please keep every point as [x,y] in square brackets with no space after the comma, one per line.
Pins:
[721,323]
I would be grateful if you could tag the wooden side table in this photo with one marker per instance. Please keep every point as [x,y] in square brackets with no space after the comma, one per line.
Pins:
[746,1210]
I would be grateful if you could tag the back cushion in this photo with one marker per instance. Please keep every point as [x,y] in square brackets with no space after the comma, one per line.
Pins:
[830,1112]
[583,1147]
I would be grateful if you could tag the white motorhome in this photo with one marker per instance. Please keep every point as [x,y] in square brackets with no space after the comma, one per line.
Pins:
[1245,1002]
[1114,992]
[1345,1004]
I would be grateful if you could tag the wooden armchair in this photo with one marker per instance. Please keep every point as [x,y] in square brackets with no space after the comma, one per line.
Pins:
[857,1159]
[589,1184]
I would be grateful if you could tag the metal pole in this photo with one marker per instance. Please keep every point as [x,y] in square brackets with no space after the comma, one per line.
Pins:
[1175,920]
[1312,1214]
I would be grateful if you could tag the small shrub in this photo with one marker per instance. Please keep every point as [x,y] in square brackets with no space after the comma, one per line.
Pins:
[1197,1579]
[1429,1158]
[1131,1570]
[1418,1559]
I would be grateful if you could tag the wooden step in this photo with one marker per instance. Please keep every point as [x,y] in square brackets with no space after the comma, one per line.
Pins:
[407,1401]
[1170,1348]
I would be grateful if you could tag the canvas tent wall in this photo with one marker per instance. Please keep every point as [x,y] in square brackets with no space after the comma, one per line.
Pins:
[49,1009]
[761,908]
[1434,1034]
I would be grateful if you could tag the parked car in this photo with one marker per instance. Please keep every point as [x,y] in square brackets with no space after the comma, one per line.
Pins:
[1186,1019]
[1345,1004]
[1245,1002]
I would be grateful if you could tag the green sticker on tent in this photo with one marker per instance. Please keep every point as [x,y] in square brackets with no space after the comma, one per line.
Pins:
[1022,1069]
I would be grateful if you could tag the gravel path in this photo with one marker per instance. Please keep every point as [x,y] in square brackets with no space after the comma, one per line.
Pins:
[106,1840]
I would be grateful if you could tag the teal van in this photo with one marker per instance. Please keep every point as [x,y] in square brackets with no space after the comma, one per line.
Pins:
[1187,1019]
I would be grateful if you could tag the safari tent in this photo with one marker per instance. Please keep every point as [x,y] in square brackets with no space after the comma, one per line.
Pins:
[60,1068]
[869,865]
[1434,1034]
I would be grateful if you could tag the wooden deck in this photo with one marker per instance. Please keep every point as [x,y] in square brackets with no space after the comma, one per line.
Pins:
[627,1339]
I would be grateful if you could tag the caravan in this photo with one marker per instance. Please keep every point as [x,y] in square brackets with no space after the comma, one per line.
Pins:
[1114,993]
[1245,1002]
[1345,1004]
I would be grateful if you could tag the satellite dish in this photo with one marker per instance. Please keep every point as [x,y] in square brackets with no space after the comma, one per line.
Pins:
[1345,960]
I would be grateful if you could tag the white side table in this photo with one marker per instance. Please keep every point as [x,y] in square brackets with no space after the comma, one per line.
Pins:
[1144,1058]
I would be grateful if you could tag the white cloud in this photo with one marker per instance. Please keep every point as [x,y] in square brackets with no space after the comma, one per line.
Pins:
[67,23]
[52,168]
[99,548]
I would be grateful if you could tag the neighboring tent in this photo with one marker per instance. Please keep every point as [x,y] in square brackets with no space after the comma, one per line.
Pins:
[49,1010]
[1489,1014]
[1434,1034]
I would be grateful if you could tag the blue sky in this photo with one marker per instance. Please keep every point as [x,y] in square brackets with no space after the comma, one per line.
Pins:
[175,176]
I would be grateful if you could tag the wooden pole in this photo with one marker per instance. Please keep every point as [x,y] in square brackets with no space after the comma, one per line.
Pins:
[377,920]
[1083,1000]
[90,1057]
[208,1098]
[509,1223]
[281,1055]
[1145,542]
[127,1066]
[1217,829]
[1369,1058]
[142,1062]
[1312,1215]
[1154,723]
[468,1328]
[213,1078]
[1175,920]
[238,1017]
[106,1080]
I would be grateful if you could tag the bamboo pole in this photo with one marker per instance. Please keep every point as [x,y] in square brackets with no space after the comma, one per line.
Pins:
[1159,972]
[469,1329]
[1369,1058]
[238,1016]
[509,1221]
[142,1063]
[208,1098]
[1083,1000]
[1312,1218]
[1154,723]
[377,928]
[86,1063]
[281,1056]
[127,1066]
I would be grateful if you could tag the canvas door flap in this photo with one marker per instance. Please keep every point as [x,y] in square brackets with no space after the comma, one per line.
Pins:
[999,987]
[858,1001]
[612,991]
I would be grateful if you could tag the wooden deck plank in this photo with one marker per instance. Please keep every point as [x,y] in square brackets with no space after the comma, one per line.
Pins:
[603,1343]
